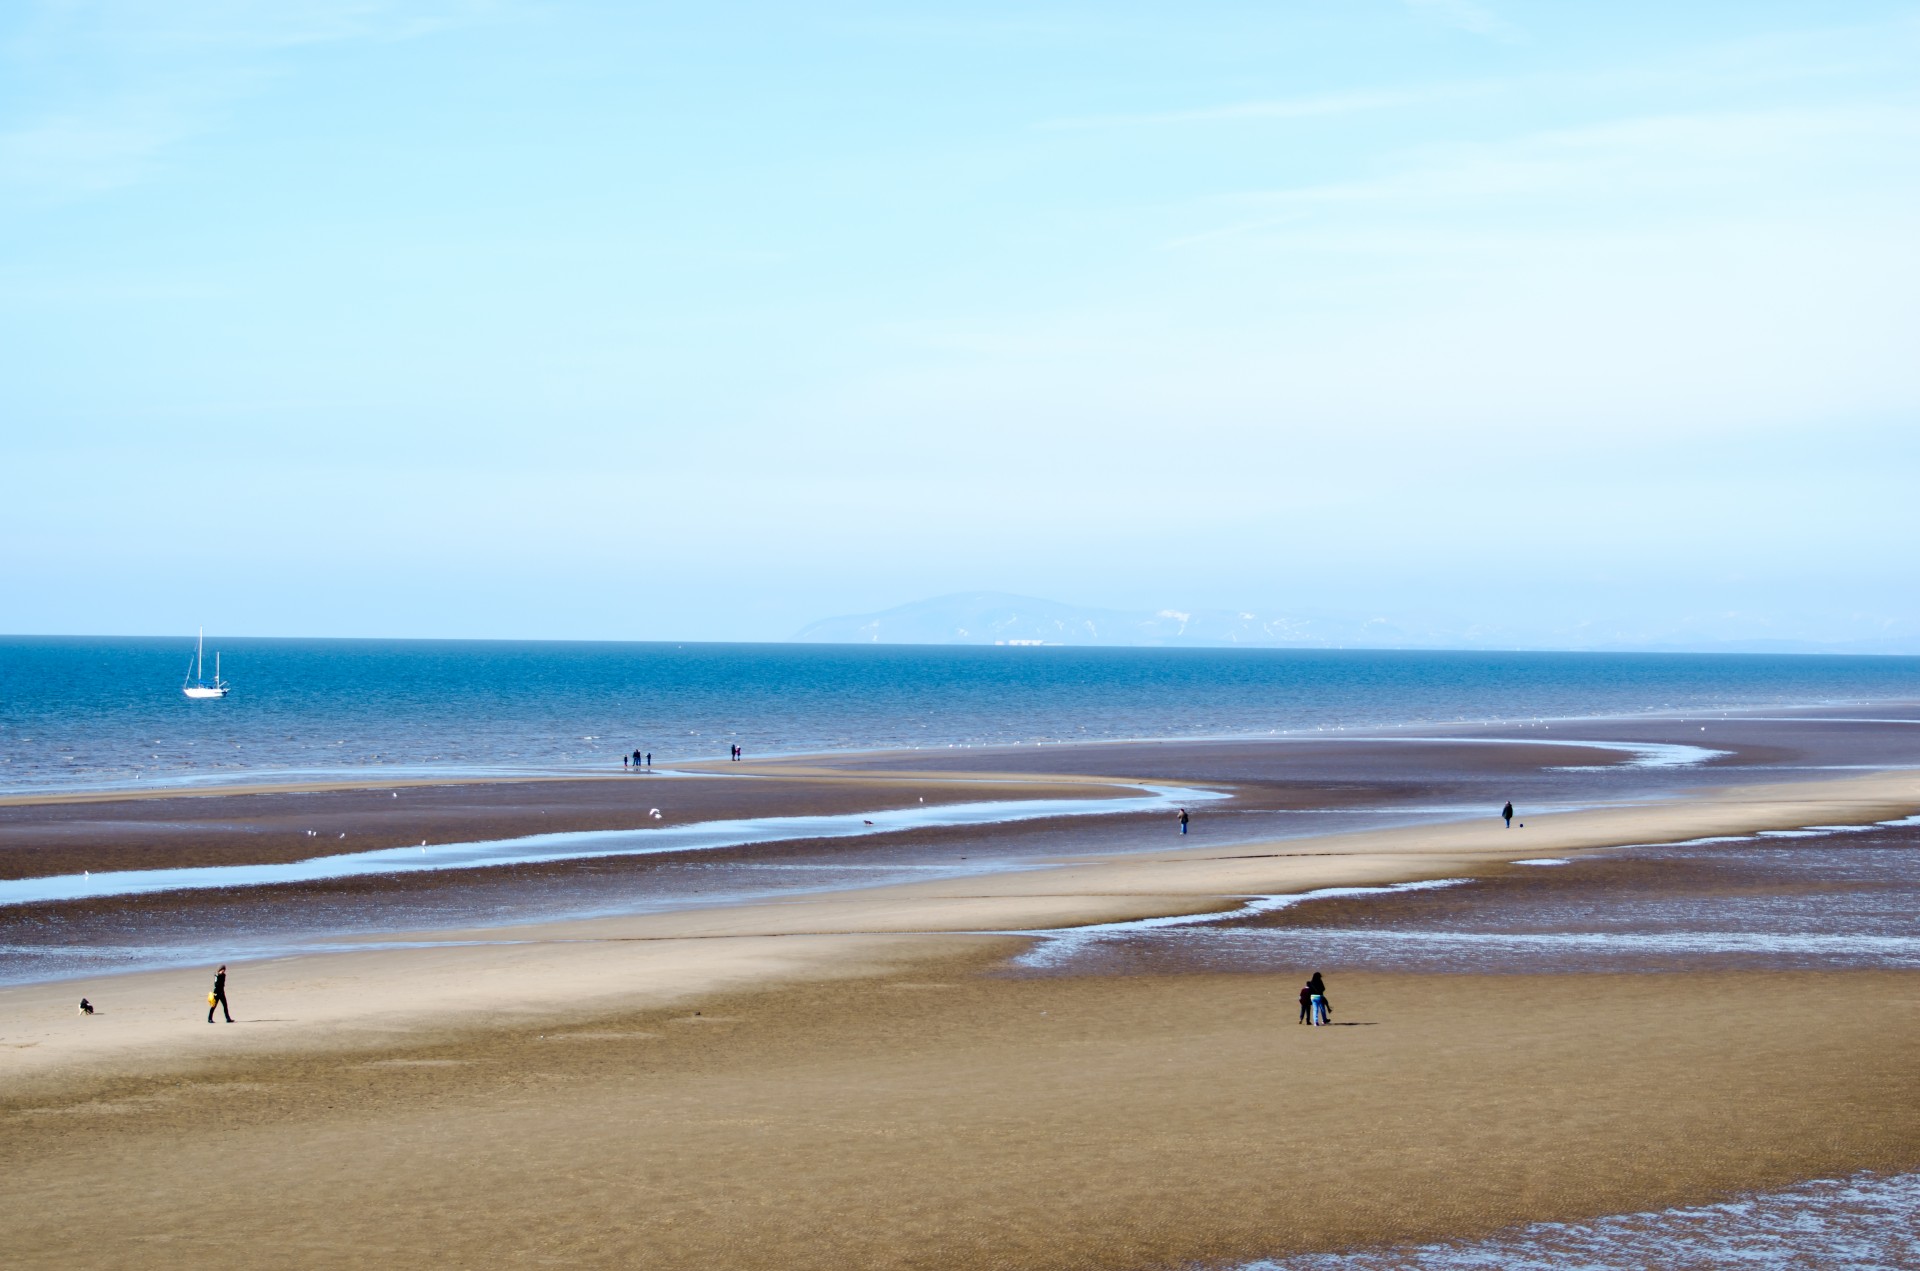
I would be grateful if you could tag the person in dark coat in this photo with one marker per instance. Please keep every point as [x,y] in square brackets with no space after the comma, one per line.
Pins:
[219,998]
[1322,1010]
[1506,814]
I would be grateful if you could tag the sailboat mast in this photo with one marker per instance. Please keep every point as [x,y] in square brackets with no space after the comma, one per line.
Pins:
[200,656]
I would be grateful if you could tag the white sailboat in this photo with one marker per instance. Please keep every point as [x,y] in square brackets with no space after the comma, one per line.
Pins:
[196,684]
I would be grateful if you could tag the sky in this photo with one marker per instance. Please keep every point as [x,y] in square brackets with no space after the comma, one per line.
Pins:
[633,321]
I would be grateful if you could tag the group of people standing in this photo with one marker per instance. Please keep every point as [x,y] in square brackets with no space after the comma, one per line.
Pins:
[1314,1009]
[642,761]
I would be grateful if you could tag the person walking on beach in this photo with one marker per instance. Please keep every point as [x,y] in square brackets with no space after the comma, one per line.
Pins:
[623,763]
[1306,1002]
[1319,1012]
[219,995]
[636,758]
[649,761]
[1506,814]
[1183,820]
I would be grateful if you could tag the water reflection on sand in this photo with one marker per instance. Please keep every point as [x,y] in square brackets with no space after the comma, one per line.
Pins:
[1826,897]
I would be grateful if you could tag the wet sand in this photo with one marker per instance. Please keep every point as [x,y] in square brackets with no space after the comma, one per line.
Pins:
[167,829]
[855,1079]
[1416,771]
[1277,790]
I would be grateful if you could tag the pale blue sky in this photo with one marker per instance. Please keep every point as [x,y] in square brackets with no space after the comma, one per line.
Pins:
[702,321]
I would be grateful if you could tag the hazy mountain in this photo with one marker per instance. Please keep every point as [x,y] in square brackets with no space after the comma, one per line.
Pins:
[991,617]
[988,617]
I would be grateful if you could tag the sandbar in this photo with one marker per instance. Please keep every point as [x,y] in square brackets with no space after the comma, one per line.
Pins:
[853,1079]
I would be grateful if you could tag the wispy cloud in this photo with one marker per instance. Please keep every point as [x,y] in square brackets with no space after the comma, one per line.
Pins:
[104,90]
[201,25]
[1325,105]
[1464,15]
[101,148]
[1649,163]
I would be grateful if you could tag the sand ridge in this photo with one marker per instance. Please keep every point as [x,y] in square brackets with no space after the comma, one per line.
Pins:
[445,978]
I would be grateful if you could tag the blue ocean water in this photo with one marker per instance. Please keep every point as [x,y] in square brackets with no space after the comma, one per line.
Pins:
[89,711]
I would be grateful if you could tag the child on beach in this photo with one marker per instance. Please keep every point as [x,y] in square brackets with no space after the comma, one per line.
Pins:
[1306,1002]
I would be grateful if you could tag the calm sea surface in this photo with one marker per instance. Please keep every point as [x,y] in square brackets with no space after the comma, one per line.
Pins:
[80,711]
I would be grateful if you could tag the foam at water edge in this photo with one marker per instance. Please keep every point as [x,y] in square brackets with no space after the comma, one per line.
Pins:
[1865,1223]
[1648,754]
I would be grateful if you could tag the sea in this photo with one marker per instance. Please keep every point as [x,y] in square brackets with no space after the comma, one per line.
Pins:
[106,712]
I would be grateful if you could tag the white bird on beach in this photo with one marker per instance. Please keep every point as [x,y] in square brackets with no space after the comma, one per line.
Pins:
[654,813]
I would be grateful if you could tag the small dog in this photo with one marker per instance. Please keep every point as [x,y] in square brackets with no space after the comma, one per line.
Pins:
[86,1007]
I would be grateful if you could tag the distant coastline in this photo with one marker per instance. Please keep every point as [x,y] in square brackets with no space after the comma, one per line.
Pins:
[1001,618]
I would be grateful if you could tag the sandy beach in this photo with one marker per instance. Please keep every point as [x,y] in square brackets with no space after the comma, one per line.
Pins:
[1260,637]
[929,1116]
[853,1078]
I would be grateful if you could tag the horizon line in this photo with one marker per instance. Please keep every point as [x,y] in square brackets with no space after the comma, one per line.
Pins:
[1809,649]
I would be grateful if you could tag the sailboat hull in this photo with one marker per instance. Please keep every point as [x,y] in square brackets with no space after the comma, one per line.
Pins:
[196,684]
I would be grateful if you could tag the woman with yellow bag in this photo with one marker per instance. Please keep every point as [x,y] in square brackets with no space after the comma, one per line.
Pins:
[219,995]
